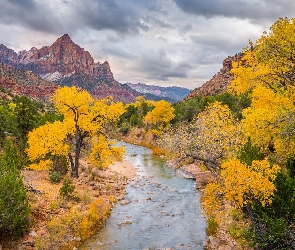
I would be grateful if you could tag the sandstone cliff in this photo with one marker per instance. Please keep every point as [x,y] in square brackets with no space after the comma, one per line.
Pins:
[62,58]
[219,82]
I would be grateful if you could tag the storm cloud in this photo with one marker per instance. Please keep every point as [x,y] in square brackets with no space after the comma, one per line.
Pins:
[240,9]
[177,42]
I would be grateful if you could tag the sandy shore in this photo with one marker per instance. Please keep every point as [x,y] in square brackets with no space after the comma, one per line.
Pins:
[123,168]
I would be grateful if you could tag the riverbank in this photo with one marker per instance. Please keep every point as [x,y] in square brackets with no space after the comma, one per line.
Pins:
[52,225]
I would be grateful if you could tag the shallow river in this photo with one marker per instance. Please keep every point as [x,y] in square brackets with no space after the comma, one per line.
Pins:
[163,211]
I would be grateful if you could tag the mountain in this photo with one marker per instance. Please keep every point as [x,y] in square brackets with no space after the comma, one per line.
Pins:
[171,94]
[67,64]
[219,82]
[63,57]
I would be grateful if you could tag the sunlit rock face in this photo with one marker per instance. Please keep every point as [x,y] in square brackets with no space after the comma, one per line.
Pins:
[63,56]
[219,82]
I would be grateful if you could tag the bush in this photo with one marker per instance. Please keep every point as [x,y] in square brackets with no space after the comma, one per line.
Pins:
[67,188]
[60,164]
[55,177]
[212,227]
[14,205]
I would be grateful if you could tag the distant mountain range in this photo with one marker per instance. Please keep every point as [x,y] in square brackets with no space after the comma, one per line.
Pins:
[171,93]
[65,63]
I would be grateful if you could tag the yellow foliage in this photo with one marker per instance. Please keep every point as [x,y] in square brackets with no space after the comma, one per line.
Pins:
[103,152]
[218,133]
[160,115]
[80,223]
[268,62]
[42,165]
[242,184]
[83,117]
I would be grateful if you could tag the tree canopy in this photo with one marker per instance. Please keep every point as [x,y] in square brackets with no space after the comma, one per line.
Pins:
[84,118]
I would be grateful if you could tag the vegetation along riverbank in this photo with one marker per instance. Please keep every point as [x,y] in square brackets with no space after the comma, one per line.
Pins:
[59,181]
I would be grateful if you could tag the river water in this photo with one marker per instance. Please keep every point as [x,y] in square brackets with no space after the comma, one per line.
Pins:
[163,213]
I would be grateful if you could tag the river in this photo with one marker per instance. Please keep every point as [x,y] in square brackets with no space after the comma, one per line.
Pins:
[163,212]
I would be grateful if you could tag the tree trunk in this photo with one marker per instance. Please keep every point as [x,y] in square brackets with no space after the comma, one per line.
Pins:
[257,228]
[74,168]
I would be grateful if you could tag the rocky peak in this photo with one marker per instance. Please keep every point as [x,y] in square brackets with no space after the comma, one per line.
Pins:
[219,82]
[62,58]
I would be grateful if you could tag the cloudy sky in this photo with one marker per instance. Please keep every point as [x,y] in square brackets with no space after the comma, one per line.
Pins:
[160,42]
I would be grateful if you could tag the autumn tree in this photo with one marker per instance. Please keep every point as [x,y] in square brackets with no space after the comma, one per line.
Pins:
[160,116]
[213,135]
[85,120]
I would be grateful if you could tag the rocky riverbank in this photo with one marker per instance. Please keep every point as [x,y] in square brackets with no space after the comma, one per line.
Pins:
[107,185]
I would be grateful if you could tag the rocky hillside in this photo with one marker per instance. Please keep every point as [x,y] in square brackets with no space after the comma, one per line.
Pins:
[24,82]
[67,64]
[219,82]
[173,94]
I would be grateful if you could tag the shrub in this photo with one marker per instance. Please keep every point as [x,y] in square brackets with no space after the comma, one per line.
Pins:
[14,205]
[212,227]
[55,177]
[67,188]
[60,164]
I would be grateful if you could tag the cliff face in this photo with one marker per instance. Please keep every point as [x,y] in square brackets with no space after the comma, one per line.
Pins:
[219,82]
[64,63]
[62,58]
[20,82]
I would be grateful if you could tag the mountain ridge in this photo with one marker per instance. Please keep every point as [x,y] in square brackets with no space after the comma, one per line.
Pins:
[219,82]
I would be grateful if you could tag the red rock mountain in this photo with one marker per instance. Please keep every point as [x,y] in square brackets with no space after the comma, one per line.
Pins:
[63,57]
[67,64]
[219,82]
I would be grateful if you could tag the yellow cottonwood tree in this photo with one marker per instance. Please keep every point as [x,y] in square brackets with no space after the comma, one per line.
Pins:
[213,135]
[269,62]
[161,115]
[241,185]
[217,133]
[84,117]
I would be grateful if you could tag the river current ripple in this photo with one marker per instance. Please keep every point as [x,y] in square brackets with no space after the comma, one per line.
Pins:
[163,213]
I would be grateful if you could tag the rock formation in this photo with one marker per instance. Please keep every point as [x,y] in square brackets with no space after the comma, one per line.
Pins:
[21,82]
[62,58]
[64,63]
[219,82]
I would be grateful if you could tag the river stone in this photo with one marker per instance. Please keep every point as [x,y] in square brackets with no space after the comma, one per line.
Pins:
[126,222]
[124,202]
[203,178]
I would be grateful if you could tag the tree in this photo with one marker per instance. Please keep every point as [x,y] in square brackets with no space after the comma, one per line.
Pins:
[212,136]
[160,116]
[242,185]
[14,205]
[26,115]
[84,118]
[270,62]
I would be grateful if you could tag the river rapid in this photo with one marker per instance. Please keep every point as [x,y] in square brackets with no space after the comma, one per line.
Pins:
[163,210]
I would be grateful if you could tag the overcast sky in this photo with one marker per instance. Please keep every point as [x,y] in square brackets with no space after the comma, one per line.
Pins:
[160,42]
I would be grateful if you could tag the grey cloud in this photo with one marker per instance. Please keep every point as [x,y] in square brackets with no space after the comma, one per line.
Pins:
[158,9]
[241,9]
[110,14]
[161,67]
[30,14]
[27,4]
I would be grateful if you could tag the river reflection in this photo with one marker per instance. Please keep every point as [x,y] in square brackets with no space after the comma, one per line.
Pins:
[163,211]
